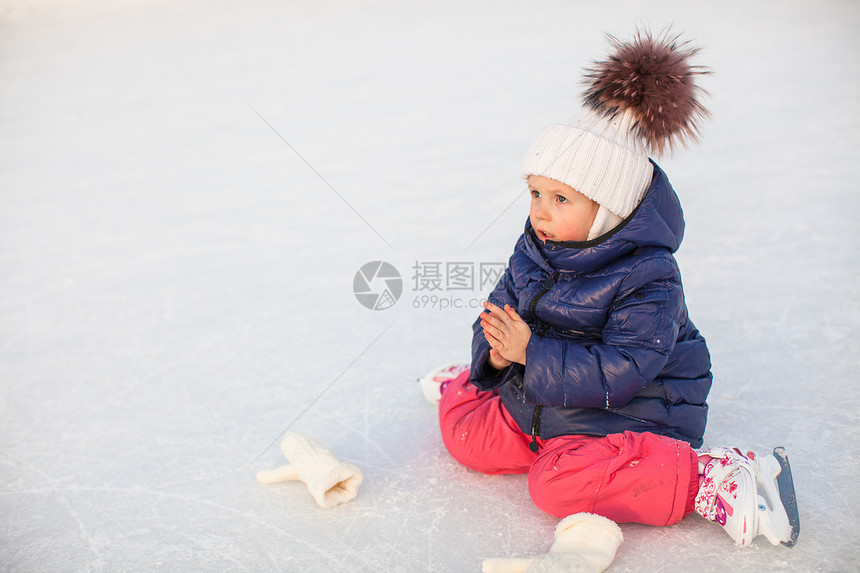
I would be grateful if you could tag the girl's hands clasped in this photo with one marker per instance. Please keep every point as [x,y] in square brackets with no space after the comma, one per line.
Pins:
[507,333]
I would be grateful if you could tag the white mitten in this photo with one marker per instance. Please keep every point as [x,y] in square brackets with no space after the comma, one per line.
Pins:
[584,543]
[330,481]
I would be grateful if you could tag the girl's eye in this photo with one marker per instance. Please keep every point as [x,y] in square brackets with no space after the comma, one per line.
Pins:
[535,193]
[562,199]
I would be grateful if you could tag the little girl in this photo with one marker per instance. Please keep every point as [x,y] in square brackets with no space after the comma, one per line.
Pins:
[586,371]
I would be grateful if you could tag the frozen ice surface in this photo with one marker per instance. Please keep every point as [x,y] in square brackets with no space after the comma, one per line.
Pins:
[176,280]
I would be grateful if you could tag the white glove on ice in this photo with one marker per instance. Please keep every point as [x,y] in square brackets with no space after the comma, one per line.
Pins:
[330,481]
[584,543]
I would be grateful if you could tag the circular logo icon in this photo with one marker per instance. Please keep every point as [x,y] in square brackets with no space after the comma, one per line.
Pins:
[377,285]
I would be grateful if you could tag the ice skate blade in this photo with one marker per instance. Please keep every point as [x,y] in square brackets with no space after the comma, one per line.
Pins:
[777,516]
[788,495]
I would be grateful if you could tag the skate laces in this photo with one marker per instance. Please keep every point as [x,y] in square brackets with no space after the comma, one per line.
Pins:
[720,478]
[445,377]
[450,373]
[437,380]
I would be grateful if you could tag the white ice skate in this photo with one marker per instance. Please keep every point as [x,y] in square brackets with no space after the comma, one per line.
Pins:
[435,381]
[749,495]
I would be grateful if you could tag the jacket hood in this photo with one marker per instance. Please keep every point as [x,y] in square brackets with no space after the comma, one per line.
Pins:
[658,221]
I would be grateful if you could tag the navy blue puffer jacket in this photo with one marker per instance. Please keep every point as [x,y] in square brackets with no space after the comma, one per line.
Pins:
[612,348]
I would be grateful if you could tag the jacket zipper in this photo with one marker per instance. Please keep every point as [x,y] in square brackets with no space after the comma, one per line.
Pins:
[547,286]
[533,446]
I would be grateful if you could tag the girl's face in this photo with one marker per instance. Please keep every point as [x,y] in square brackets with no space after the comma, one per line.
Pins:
[558,212]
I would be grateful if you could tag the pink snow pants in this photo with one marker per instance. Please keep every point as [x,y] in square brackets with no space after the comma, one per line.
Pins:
[630,477]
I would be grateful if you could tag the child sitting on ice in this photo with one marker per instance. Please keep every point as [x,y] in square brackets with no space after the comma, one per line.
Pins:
[586,371]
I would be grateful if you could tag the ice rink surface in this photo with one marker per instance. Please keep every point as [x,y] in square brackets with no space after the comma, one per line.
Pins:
[187,190]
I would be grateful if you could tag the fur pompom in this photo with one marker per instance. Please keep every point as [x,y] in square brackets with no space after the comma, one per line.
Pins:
[651,79]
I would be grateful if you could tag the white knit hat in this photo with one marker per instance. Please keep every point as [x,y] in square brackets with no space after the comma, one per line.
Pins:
[641,99]
[600,158]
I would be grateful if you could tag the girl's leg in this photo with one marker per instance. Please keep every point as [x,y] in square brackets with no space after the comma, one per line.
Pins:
[630,477]
[478,431]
